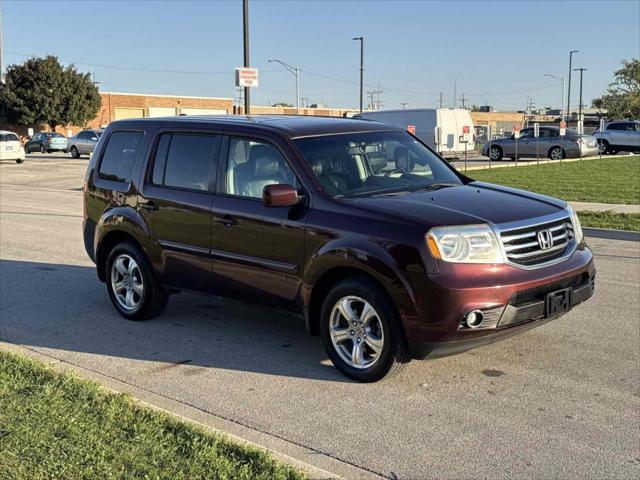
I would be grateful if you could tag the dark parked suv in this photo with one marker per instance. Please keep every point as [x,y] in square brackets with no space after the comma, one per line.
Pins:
[385,249]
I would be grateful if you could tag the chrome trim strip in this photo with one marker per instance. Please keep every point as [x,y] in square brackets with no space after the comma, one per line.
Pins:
[537,252]
[571,245]
[254,261]
[181,247]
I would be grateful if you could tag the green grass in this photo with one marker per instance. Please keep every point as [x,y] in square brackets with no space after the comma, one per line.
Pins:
[56,426]
[610,180]
[618,221]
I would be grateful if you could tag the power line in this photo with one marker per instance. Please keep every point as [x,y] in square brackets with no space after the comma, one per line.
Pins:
[308,72]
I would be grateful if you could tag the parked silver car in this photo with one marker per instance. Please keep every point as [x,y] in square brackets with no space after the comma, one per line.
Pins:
[549,145]
[619,136]
[84,142]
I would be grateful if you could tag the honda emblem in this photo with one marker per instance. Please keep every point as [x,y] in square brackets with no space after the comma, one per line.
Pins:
[545,239]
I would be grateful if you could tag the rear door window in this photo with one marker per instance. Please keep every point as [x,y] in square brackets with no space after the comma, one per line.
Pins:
[119,156]
[186,161]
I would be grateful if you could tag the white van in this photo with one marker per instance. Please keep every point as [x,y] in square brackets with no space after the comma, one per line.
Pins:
[10,147]
[443,129]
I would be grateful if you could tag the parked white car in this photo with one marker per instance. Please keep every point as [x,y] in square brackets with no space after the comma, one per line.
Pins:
[440,128]
[619,136]
[10,147]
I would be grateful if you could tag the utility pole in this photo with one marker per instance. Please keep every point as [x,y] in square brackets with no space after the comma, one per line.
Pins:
[562,104]
[378,92]
[1,49]
[455,88]
[245,29]
[569,87]
[296,72]
[361,39]
[440,99]
[463,100]
[580,122]
[372,103]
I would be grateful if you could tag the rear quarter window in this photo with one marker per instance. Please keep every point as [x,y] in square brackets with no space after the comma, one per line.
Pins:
[119,156]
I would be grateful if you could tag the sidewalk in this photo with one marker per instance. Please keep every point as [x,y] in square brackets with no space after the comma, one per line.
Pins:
[605,207]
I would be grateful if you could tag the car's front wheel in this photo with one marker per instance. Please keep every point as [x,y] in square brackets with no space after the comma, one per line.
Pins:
[131,284]
[361,330]
[19,160]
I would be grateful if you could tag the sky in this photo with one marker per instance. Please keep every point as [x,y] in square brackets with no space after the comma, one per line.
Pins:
[494,52]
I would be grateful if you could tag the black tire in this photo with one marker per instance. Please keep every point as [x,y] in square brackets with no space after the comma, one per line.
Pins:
[154,297]
[74,152]
[499,153]
[394,351]
[603,145]
[42,150]
[19,160]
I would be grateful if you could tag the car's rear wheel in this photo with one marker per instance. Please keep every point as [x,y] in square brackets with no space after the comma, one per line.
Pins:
[361,330]
[75,153]
[603,146]
[495,153]
[556,153]
[19,160]
[131,284]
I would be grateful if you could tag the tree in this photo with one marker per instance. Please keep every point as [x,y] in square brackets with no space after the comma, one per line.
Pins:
[42,91]
[622,99]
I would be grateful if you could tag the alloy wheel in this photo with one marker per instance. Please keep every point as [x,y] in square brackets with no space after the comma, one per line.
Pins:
[494,154]
[556,154]
[356,332]
[126,282]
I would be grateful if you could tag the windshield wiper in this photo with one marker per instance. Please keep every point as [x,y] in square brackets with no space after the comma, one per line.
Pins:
[436,186]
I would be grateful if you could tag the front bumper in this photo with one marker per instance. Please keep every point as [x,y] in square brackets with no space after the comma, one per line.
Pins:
[513,319]
[509,295]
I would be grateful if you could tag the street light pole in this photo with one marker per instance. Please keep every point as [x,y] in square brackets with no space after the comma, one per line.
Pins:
[580,130]
[562,104]
[361,69]
[569,88]
[295,71]
[245,29]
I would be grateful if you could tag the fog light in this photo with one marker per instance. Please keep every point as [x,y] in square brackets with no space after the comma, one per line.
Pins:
[474,319]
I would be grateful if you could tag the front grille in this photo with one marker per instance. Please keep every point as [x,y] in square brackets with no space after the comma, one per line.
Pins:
[522,247]
[538,293]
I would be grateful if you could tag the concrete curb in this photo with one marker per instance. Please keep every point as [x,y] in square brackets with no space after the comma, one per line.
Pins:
[317,465]
[611,234]
[529,163]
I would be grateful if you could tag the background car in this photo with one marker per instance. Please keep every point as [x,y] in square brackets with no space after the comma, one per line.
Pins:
[619,135]
[548,145]
[47,142]
[84,142]
[10,147]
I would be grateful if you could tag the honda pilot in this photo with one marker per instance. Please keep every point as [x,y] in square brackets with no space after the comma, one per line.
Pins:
[384,249]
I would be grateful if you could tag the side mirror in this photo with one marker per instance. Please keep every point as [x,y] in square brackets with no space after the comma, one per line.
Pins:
[279,195]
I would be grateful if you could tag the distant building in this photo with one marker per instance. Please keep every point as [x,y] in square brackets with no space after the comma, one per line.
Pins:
[487,109]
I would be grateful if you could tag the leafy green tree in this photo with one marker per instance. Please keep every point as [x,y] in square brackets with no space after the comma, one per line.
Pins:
[622,99]
[42,91]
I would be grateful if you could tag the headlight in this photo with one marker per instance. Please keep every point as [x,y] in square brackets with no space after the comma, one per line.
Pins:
[575,221]
[465,244]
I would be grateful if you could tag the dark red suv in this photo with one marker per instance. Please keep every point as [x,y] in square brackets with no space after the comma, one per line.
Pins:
[386,250]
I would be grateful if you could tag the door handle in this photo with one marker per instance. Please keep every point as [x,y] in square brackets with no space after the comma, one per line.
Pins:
[148,206]
[226,220]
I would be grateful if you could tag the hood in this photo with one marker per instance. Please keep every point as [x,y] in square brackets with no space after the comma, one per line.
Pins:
[476,202]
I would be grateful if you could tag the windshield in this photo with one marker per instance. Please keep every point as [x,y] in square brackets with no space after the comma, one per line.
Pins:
[363,164]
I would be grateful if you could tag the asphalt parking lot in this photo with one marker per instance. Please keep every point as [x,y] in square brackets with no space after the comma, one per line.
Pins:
[560,401]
